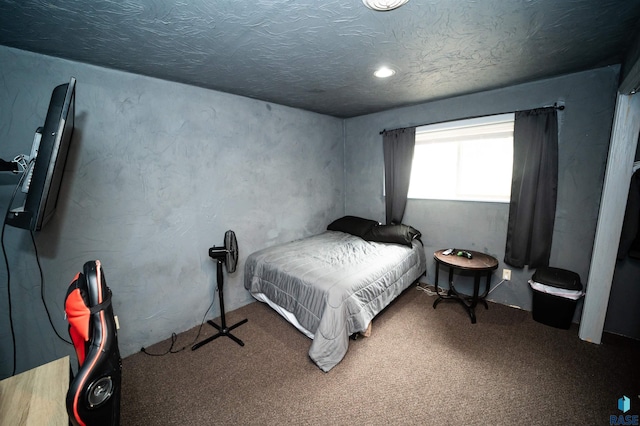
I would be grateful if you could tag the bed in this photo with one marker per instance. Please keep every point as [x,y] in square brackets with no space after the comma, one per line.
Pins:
[331,285]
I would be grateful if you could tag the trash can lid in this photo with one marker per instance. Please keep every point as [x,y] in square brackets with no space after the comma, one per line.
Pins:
[557,277]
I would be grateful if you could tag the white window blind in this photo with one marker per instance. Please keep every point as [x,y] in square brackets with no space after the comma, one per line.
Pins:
[464,160]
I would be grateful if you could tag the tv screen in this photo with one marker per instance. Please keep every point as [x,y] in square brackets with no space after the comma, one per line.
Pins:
[44,176]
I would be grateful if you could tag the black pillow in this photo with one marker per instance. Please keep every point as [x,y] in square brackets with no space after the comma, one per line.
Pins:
[352,225]
[398,234]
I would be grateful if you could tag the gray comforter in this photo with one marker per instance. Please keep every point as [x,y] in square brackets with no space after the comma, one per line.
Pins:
[334,284]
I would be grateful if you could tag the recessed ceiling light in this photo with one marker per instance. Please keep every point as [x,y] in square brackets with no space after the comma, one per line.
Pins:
[383,5]
[384,72]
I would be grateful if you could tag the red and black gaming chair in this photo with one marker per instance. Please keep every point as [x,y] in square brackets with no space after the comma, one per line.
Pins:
[94,393]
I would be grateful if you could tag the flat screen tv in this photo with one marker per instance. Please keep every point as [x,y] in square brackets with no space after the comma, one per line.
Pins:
[44,174]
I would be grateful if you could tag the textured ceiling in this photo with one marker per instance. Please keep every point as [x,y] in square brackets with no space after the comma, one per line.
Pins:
[320,55]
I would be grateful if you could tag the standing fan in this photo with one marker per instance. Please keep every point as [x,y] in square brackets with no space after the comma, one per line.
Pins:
[229,256]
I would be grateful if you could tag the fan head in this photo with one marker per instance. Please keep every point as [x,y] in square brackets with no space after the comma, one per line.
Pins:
[228,253]
[231,246]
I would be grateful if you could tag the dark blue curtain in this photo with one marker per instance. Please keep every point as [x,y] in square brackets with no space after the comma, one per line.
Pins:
[398,148]
[534,188]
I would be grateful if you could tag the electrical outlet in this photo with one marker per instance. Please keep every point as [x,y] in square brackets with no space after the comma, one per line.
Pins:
[506,274]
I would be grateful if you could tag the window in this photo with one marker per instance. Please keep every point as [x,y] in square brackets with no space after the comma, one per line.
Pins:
[464,160]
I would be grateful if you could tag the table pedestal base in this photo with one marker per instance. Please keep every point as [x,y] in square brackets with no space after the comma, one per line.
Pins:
[466,301]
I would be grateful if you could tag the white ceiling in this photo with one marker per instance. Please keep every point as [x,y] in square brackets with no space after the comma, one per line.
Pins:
[320,55]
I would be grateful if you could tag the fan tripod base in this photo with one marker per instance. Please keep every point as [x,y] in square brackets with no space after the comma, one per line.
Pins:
[221,332]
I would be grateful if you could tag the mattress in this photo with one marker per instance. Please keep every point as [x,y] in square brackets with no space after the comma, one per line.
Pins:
[332,284]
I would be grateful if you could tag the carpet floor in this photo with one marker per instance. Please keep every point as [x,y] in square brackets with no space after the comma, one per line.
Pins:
[420,366]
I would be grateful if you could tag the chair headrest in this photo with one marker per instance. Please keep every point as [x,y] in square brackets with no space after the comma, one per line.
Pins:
[87,295]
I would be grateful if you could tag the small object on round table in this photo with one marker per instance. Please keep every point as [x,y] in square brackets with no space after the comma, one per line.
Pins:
[473,262]
[464,253]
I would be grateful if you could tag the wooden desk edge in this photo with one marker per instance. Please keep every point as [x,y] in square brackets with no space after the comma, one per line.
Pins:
[36,396]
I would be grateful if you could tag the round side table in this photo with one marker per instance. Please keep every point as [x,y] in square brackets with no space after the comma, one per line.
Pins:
[479,265]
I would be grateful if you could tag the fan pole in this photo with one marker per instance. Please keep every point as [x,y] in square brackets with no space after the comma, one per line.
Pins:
[222,328]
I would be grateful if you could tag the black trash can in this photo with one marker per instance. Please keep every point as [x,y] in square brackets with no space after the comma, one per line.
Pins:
[556,293]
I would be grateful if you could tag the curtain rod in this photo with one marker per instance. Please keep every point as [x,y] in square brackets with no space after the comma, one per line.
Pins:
[555,106]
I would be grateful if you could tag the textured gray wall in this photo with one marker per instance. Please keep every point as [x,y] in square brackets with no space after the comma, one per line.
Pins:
[157,172]
[584,127]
